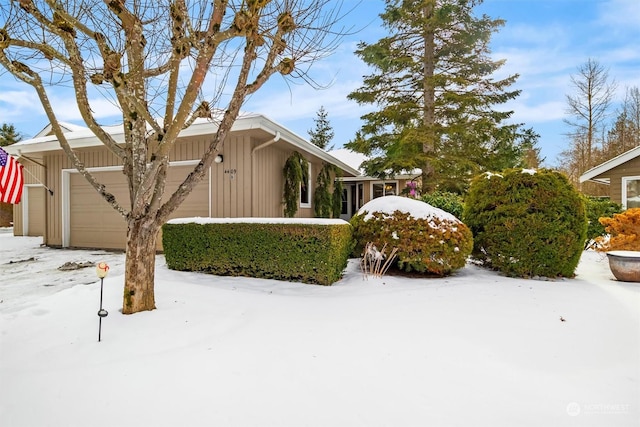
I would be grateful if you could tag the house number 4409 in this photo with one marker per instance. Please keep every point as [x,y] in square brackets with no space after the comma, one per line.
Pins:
[231,172]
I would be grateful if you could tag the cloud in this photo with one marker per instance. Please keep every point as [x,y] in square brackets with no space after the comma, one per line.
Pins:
[620,13]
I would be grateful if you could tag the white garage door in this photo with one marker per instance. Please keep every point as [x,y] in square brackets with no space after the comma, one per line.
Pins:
[95,224]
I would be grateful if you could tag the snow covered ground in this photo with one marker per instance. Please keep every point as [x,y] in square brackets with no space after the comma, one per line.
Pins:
[475,349]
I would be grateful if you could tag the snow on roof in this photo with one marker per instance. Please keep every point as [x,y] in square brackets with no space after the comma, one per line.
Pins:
[349,157]
[416,208]
[206,220]
[66,128]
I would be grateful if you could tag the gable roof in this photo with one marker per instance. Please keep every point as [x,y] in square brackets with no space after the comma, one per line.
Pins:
[66,128]
[592,174]
[83,137]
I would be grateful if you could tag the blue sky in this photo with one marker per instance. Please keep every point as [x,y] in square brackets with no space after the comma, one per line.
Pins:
[544,41]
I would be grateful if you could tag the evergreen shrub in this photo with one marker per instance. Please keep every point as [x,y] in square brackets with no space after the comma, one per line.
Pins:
[624,231]
[598,207]
[429,240]
[310,253]
[526,223]
[445,200]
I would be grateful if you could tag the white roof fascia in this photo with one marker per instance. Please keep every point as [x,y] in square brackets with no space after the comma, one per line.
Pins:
[608,165]
[85,138]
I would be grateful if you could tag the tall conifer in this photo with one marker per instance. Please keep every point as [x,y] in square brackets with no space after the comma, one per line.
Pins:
[435,92]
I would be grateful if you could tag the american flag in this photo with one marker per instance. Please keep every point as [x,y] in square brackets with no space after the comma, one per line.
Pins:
[11,179]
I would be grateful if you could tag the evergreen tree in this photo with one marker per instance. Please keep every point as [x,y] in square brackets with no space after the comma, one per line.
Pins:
[323,132]
[434,88]
[8,135]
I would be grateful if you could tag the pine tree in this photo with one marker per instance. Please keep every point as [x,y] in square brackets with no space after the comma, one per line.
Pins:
[8,135]
[433,85]
[323,132]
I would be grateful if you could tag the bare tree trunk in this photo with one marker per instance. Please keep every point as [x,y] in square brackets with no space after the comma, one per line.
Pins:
[140,261]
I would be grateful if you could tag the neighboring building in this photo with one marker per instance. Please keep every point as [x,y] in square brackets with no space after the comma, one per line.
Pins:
[622,175]
[248,182]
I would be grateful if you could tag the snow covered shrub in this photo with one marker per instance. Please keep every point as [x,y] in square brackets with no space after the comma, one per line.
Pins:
[445,200]
[282,249]
[624,230]
[598,207]
[526,223]
[428,239]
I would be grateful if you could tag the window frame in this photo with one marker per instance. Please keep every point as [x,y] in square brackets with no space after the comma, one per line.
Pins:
[625,181]
[306,204]
[384,183]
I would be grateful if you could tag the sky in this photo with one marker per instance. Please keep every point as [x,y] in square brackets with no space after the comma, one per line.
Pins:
[543,41]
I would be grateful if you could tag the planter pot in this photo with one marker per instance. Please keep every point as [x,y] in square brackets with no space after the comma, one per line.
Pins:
[625,265]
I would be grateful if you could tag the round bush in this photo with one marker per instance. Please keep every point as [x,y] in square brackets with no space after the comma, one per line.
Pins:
[526,223]
[429,240]
[447,201]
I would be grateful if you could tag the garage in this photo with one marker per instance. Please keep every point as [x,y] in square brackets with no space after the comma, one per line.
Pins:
[93,223]
[34,223]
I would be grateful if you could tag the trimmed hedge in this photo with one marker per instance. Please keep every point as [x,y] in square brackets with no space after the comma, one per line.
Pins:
[435,243]
[526,223]
[445,200]
[309,253]
[598,207]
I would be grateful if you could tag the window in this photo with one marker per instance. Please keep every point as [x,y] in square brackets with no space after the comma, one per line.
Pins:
[631,192]
[379,189]
[345,201]
[305,191]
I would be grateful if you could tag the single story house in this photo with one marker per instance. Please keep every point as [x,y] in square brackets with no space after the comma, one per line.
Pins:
[622,175]
[246,181]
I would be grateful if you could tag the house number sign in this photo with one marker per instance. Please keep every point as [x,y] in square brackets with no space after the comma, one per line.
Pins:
[231,172]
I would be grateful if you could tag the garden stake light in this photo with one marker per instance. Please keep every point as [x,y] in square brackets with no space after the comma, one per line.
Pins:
[101,270]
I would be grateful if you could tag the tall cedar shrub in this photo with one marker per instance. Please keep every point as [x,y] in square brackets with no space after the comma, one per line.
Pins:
[624,231]
[296,173]
[598,207]
[438,244]
[526,223]
[327,203]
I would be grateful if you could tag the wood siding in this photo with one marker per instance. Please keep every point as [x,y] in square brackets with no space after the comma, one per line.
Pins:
[247,183]
[33,174]
[615,175]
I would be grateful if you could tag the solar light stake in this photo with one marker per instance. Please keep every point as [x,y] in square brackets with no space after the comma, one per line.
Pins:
[101,270]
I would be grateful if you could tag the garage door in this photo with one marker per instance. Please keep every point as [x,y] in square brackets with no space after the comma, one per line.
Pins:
[36,208]
[95,224]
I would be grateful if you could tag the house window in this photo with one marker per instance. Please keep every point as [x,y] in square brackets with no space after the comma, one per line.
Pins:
[305,191]
[345,201]
[379,189]
[631,192]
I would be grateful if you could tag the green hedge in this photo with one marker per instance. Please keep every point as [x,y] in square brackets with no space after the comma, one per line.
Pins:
[598,207]
[526,223]
[447,201]
[310,253]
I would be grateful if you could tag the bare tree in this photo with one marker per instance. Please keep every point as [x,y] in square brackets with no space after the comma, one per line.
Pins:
[587,110]
[170,59]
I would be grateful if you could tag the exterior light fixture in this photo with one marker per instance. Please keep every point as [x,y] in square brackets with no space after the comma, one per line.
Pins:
[101,271]
[219,158]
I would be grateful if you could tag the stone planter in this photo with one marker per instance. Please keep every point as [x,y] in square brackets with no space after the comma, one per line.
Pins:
[625,265]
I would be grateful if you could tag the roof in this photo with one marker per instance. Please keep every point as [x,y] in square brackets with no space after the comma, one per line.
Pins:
[66,128]
[593,173]
[83,138]
[355,160]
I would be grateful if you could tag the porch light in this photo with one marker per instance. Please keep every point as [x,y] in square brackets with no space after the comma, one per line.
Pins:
[219,159]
